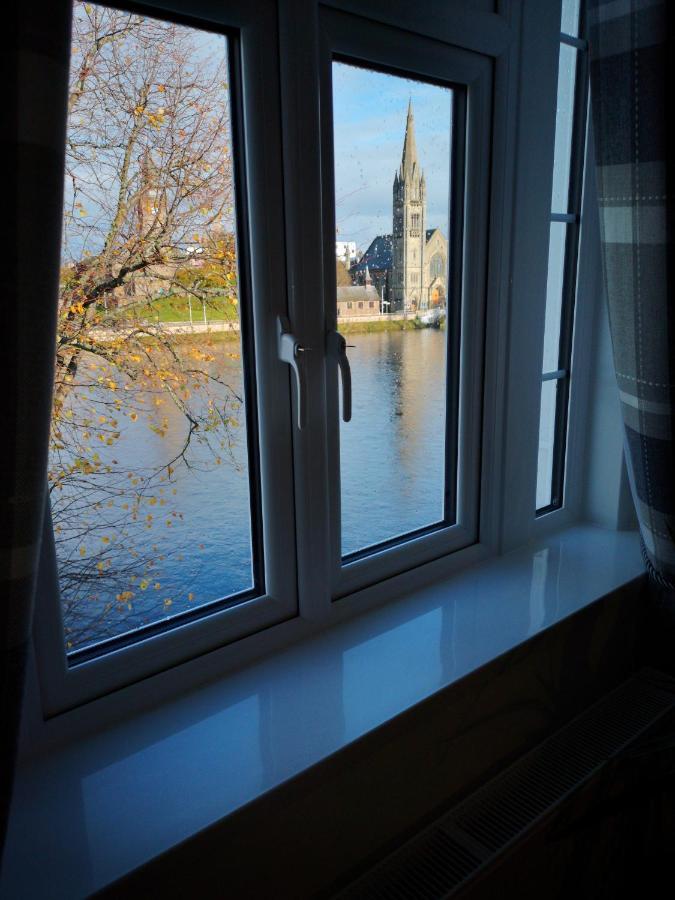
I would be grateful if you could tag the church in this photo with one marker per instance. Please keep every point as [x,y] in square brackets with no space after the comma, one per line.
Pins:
[419,265]
[411,263]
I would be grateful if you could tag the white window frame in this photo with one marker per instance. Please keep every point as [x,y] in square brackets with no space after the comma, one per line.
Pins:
[572,216]
[344,37]
[518,55]
[259,187]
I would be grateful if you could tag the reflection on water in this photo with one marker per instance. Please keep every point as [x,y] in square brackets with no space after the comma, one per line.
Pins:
[152,517]
[392,453]
[392,458]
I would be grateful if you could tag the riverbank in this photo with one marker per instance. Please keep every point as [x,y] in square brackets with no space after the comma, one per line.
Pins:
[219,331]
[345,326]
[348,326]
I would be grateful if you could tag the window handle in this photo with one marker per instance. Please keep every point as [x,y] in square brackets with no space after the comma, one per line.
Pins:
[292,352]
[337,347]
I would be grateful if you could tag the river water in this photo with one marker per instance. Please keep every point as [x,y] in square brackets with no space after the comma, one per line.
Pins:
[196,545]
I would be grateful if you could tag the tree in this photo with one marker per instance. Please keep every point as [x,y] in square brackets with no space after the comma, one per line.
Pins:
[148,180]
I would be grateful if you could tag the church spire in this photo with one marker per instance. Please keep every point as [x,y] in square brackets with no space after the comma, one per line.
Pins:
[409,161]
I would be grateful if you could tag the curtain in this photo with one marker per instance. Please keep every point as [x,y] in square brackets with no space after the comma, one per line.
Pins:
[34,109]
[630,42]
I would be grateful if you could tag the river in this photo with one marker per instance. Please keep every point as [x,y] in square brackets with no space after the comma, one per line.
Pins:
[194,529]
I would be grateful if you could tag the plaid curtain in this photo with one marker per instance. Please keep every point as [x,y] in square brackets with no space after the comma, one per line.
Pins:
[630,43]
[34,109]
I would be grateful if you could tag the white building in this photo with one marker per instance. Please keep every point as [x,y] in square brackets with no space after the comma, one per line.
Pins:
[345,251]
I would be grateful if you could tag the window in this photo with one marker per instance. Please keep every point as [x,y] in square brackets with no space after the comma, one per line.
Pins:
[562,261]
[153,460]
[229,454]
[403,473]
[164,538]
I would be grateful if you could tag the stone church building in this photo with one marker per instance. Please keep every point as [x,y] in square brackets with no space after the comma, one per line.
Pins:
[420,255]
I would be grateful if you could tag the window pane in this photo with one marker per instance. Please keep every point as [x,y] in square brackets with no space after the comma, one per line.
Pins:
[148,469]
[563,128]
[392,172]
[554,287]
[569,23]
[549,393]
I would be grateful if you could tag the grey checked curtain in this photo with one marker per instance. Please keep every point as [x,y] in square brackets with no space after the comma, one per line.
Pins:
[631,52]
[37,39]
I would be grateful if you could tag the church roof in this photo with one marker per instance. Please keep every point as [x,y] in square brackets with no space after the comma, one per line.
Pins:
[378,256]
[357,292]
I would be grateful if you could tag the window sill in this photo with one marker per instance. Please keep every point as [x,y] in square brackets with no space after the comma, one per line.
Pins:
[101,808]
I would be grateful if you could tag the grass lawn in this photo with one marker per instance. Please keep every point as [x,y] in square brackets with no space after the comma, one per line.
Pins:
[383,325]
[177,309]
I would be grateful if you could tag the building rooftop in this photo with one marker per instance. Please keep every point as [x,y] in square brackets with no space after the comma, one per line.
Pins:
[357,292]
[378,256]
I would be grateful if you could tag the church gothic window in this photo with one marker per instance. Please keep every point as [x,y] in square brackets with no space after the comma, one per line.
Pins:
[436,265]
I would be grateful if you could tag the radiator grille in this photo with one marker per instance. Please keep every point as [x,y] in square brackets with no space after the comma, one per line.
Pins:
[446,854]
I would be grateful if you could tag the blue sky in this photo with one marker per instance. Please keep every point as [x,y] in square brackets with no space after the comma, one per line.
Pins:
[369,111]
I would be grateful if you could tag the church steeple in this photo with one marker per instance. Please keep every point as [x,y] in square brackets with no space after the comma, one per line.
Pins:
[408,223]
[409,163]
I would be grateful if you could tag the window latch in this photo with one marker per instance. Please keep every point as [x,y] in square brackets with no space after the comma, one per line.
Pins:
[337,348]
[292,352]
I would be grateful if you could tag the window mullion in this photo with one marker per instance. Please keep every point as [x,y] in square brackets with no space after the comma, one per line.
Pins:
[299,39]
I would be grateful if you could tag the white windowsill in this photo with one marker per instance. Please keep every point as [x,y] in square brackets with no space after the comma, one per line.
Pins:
[86,815]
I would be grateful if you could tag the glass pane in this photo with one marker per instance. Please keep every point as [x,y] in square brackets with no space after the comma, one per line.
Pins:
[554,288]
[547,435]
[392,173]
[569,23]
[148,467]
[563,128]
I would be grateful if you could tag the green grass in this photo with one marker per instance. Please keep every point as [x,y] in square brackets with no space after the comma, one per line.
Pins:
[177,309]
[374,327]
[212,337]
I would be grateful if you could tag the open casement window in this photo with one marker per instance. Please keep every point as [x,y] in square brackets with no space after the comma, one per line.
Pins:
[171,528]
[565,227]
[404,400]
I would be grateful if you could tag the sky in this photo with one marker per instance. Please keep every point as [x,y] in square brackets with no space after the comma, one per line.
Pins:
[369,110]
[369,114]
[87,231]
